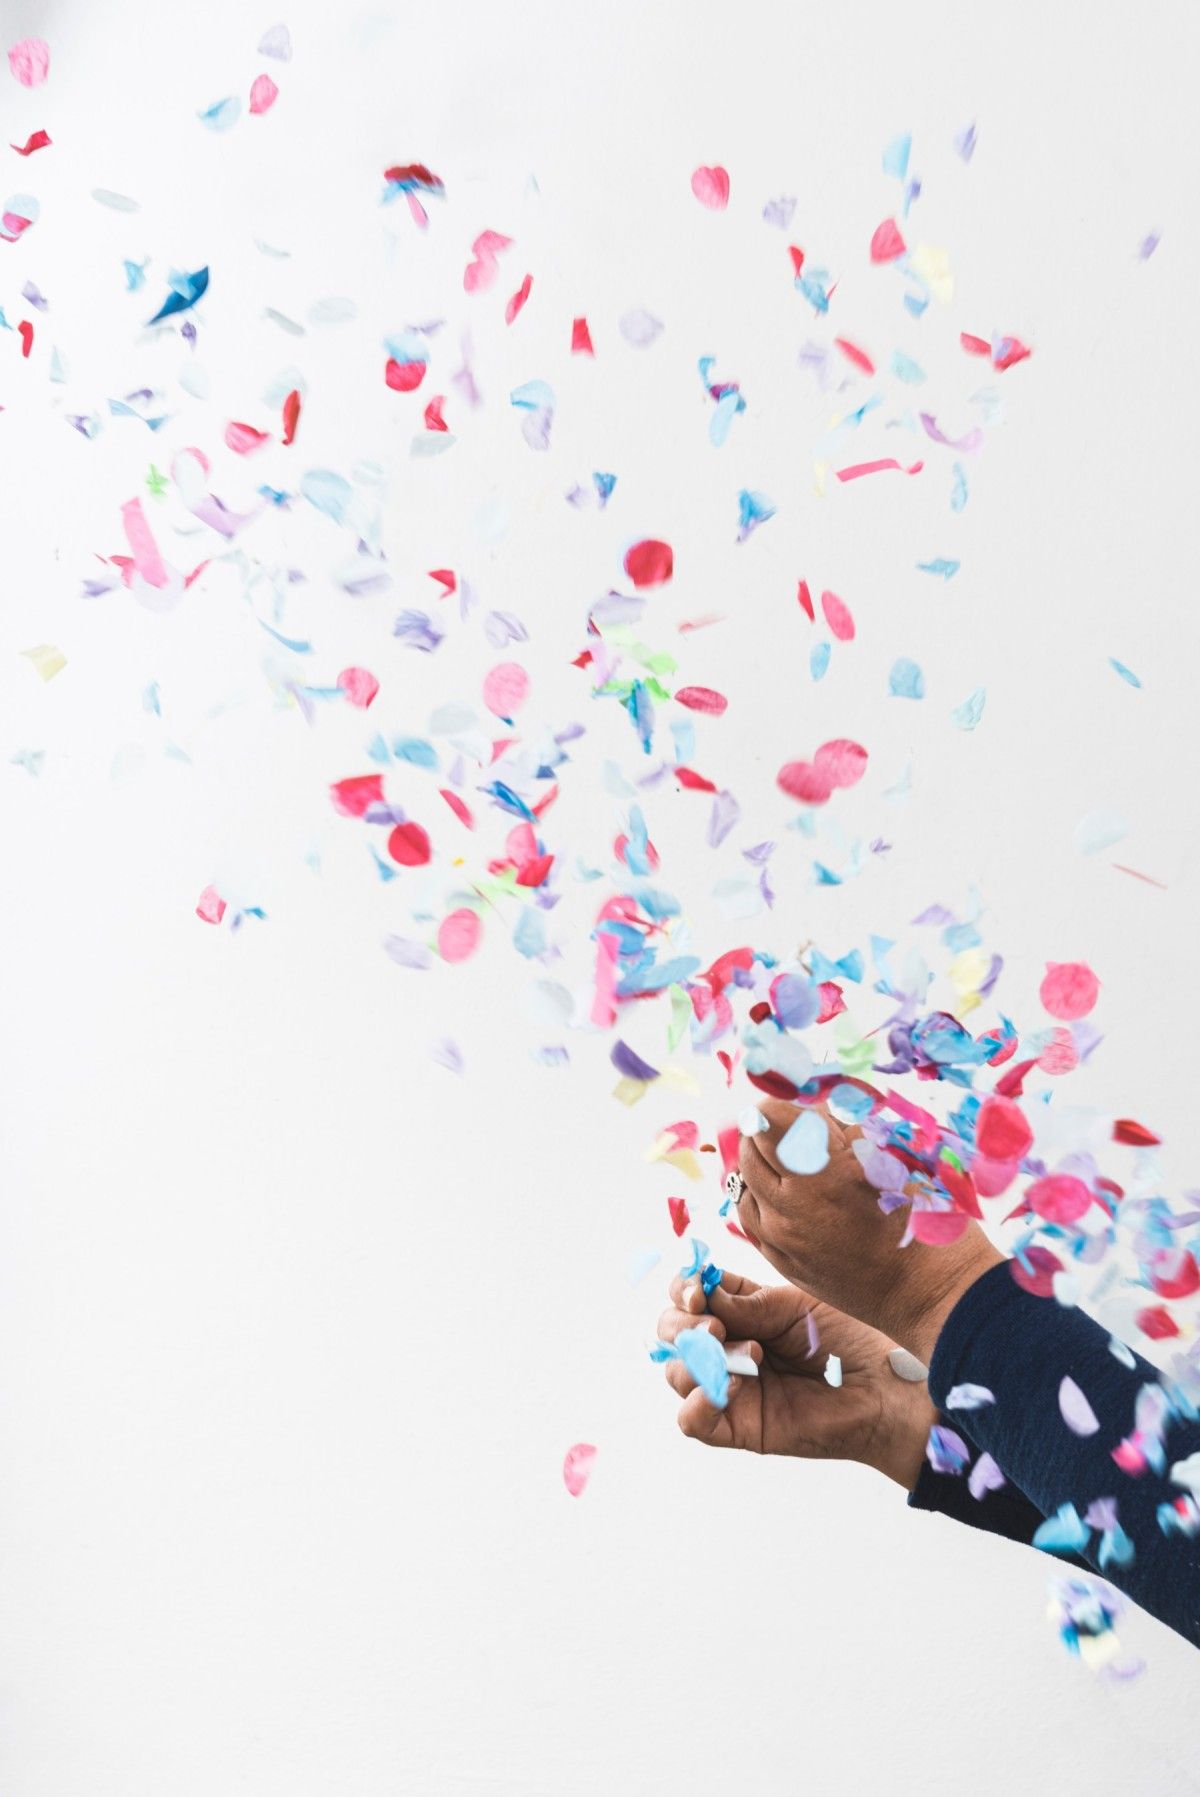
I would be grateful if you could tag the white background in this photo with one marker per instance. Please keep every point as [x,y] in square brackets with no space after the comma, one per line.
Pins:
[295,1325]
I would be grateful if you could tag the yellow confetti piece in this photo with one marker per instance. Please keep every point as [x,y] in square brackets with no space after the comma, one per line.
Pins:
[933,267]
[48,660]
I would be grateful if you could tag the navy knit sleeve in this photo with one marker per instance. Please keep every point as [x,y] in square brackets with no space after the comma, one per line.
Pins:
[1006,1512]
[1124,1517]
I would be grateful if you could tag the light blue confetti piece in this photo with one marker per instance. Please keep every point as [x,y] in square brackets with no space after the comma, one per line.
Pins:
[805,1147]
[958,497]
[896,154]
[331,493]
[529,936]
[753,509]
[906,680]
[1063,1533]
[1125,673]
[968,714]
[916,303]
[416,750]
[699,1256]
[643,1263]
[941,566]
[704,1357]
[818,660]
[905,369]
[969,1397]
[728,407]
[151,700]
[533,396]
[1099,830]
[223,115]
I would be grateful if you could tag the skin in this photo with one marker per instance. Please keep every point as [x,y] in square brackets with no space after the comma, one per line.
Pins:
[873,1417]
[826,1234]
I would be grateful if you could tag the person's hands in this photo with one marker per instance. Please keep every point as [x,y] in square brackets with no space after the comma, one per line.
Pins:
[826,1233]
[873,1416]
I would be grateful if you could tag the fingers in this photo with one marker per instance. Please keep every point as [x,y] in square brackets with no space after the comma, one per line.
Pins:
[672,1323]
[702,1421]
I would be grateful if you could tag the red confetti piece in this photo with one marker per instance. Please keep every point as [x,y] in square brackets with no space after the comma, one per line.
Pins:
[649,563]
[702,698]
[243,439]
[886,242]
[852,353]
[291,416]
[37,140]
[1009,352]
[844,761]
[1012,1083]
[1069,989]
[263,94]
[210,907]
[581,338]
[858,469]
[354,797]
[577,1467]
[974,346]
[458,935]
[1135,1135]
[536,871]
[838,617]
[797,256]
[1174,1273]
[517,302]
[25,328]
[1002,1132]
[434,420]
[806,601]
[1148,878]
[1059,1198]
[404,377]
[693,781]
[679,1213]
[409,845]
[711,187]
[961,1188]
[1156,1322]
[446,578]
[461,810]
[359,685]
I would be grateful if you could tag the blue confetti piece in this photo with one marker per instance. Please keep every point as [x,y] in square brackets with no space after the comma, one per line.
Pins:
[331,493]
[699,1256]
[753,509]
[805,1147]
[704,1357]
[604,484]
[896,154]
[728,407]
[906,680]
[818,660]
[906,370]
[947,1452]
[958,496]
[968,714]
[185,291]
[415,750]
[916,303]
[1126,674]
[940,566]
[223,115]
[1063,1533]
[710,1279]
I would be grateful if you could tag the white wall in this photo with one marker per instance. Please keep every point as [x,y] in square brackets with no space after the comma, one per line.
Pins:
[295,1326]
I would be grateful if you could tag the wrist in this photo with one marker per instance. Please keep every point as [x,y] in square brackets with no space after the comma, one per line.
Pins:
[921,1307]
[902,1452]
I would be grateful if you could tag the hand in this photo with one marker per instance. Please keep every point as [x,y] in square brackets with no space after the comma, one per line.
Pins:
[826,1233]
[872,1417]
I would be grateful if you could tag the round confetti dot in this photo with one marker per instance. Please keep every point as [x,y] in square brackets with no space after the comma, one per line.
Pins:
[1069,990]
[650,563]
[1059,1198]
[505,689]
[458,935]
[409,845]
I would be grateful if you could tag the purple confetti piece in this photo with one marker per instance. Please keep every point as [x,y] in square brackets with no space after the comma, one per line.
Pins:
[630,1065]
[406,953]
[984,1476]
[779,212]
[418,630]
[1077,1413]
[722,818]
[639,328]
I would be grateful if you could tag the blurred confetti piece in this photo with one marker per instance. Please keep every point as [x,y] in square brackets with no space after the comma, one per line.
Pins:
[711,187]
[29,61]
[263,95]
[1069,990]
[46,659]
[1077,1413]
[967,715]
[577,1467]
[805,1146]
[210,906]
[1127,674]
[906,681]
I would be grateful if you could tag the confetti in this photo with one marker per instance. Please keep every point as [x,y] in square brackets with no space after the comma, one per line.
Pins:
[578,1465]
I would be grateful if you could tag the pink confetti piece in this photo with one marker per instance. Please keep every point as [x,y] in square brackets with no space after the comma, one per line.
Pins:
[482,270]
[853,354]
[359,685]
[505,689]
[581,338]
[838,617]
[937,1226]
[458,935]
[857,469]
[461,810]
[1059,1198]
[29,61]
[1069,990]
[702,698]
[243,439]
[210,906]
[650,563]
[1077,1413]
[711,187]
[516,304]
[147,559]
[1174,1273]
[354,797]
[887,242]
[263,94]
[577,1467]
[1002,1132]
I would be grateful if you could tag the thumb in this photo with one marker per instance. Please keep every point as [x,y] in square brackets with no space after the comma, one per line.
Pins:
[760,1314]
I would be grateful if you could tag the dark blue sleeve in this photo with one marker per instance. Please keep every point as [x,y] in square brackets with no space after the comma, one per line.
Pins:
[1006,1512]
[1021,1348]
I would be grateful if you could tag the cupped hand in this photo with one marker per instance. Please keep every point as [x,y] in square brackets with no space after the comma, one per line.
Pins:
[827,1234]
[872,1417]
